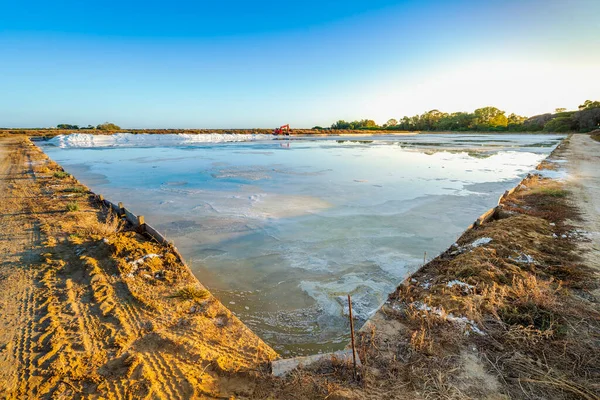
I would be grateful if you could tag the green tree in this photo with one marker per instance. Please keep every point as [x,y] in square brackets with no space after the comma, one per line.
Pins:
[499,120]
[459,121]
[485,114]
[390,123]
[67,126]
[589,104]
[560,124]
[587,119]
[515,119]
[341,124]
[108,126]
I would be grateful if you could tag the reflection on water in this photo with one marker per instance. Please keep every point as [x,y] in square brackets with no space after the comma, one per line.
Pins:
[281,231]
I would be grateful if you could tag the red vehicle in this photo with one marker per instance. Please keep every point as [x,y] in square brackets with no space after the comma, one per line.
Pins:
[282,130]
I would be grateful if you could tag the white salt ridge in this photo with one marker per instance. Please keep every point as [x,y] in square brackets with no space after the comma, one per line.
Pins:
[136,264]
[85,140]
[459,283]
[481,241]
[463,321]
[141,260]
[523,258]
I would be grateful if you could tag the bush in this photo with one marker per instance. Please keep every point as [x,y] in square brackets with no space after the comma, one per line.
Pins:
[72,206]
[108,126]
[560,124]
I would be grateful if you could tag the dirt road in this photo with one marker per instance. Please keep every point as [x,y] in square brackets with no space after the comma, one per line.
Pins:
[89,308]
[583,165]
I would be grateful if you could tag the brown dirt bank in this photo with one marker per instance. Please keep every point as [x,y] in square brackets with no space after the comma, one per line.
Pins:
[512,311]
[89,308]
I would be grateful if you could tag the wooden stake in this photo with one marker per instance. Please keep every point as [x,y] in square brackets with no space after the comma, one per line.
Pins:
[141,223]
[121,209]
[424,257]
[352,336]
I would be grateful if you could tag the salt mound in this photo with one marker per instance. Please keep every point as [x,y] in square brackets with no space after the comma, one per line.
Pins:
[86,140]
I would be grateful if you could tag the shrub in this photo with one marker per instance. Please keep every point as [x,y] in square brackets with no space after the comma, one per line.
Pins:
[560,124]
[72,206]
[108,126]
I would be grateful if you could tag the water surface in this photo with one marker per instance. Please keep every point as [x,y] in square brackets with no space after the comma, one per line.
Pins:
[282,230]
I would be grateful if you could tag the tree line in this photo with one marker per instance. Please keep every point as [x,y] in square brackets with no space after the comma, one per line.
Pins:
[107,126]
[489,119]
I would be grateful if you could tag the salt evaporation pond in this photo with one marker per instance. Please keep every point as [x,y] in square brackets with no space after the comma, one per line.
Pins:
[281,230]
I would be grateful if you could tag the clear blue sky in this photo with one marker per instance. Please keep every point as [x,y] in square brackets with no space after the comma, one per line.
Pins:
[233,64]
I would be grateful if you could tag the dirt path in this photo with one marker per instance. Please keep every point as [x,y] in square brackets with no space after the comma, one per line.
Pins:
[583,166]
[84,314]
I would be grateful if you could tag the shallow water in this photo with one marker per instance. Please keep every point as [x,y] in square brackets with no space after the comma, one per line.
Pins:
[281,230]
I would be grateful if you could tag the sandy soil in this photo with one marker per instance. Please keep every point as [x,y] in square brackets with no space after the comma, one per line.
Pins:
[84,314]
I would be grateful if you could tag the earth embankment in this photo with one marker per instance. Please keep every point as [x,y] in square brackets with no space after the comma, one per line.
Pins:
[89,307]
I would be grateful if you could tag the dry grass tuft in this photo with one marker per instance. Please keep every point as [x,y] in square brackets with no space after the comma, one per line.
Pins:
[106,227]
[191,293]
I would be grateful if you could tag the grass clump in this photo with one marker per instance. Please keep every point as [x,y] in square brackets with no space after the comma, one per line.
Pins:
[553,192]
[61,174]
[74,189]
[191,293]
[72,206]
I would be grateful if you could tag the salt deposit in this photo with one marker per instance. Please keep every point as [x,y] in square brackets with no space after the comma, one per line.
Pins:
[85,140]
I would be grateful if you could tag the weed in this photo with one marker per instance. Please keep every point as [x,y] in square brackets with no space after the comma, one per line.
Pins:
[72,206]
[191,293]
[553,192]
[61,174]
[91,225]
[421,341]
[74,189]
